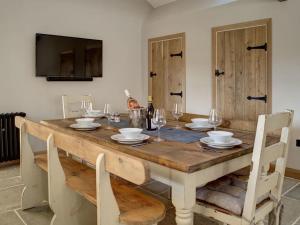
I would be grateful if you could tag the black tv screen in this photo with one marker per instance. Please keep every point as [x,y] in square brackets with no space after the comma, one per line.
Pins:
[59,56]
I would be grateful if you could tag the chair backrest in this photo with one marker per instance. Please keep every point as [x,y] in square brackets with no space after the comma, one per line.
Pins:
[72,105]
[125,166]
[261,183]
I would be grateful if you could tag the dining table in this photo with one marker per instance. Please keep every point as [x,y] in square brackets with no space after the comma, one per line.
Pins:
[183,165]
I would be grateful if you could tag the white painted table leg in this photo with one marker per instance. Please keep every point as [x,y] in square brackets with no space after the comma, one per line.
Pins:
[184,216]
[35,180]
[184,200]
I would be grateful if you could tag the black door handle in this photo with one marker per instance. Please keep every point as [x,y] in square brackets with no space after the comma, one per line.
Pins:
[177,94]
[218,73]
[152,74]
[262,98]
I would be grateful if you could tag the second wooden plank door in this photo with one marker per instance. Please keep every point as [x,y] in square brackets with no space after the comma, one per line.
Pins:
[241,75]
[167,71]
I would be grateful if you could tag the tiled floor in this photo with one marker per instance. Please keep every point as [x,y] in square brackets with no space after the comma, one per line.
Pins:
[11,214]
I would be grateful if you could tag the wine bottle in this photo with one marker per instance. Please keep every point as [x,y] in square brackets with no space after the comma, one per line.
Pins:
[131,102]
[149,116]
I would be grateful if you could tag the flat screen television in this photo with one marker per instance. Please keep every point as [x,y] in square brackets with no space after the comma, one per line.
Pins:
[68,58]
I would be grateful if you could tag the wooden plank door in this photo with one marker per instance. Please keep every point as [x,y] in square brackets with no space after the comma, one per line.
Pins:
[167,71]
[241,79]
[157,75]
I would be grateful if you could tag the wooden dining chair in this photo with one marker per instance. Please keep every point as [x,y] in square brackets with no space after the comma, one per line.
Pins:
[71,105]
[236,201]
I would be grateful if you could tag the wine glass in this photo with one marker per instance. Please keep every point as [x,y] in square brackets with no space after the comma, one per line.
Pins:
[159,119]
[86,106]
[107,113]
[177,113]
[214,118]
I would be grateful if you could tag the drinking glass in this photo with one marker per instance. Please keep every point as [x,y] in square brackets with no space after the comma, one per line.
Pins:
[107,113]
[159,119]
[214,118]
[86,106]
[177,113]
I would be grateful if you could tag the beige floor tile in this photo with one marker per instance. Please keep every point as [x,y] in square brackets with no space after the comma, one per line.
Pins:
[37,216]
[10,218]
[167,194]
[156,187]
[10,198]
[294,193]
[290,211]
[289,183]
[166,201]
[298,221]
[11,171]
[9,182]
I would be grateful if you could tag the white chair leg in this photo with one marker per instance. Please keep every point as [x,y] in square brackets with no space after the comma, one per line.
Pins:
[278,215]
[69,207]
[35,180]
[107,207]
[275,216]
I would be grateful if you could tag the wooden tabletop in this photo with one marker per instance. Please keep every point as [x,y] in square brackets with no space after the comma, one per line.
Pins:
[176,155]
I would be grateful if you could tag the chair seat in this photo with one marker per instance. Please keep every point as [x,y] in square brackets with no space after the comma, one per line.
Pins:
[136,207]
[226,194]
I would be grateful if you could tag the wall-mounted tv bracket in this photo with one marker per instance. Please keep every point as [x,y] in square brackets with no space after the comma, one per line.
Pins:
[180,54]
[265,47]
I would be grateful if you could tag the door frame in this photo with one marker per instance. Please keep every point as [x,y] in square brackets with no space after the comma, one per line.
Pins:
[262,22]
[161,39]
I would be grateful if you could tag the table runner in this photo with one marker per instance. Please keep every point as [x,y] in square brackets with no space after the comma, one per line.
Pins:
[172,134]
[167,133]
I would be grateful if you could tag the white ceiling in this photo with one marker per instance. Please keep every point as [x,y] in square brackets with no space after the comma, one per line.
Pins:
[157,3]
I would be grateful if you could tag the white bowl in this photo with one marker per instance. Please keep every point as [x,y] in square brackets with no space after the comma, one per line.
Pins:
[85,121]
[130,133]
[200,121]
[220,136]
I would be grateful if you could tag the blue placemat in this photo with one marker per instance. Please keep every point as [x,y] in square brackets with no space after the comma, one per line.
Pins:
[167,133]
[173,134]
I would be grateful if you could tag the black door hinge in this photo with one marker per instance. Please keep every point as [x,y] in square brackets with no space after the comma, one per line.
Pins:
[177,94]
[265,47]
[262,98]
[180,54]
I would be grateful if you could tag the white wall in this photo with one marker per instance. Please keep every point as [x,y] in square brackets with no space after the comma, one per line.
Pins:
[117,22]
[197,22]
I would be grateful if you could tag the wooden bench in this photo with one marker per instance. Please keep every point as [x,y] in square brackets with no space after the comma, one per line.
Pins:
[135,206]
[79,194]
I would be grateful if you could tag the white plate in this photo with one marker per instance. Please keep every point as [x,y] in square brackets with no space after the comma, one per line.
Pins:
[233,142]
[121,139]
[93,115]
[194,126]
[91,126]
